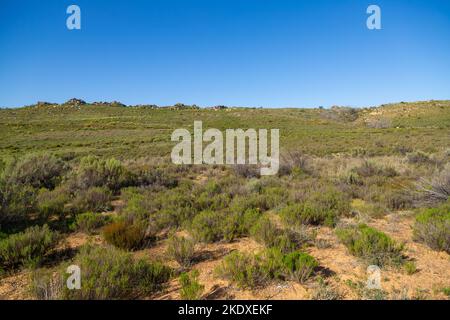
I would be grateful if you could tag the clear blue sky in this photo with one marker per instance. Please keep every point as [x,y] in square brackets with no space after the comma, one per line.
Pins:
[270,53]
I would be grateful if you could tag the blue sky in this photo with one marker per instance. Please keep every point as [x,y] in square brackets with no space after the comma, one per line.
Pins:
[269,53]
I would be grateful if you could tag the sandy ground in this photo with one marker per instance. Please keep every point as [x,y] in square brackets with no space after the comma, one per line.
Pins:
[337,267]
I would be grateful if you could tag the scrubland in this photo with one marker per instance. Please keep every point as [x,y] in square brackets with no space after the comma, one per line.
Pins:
[93,186]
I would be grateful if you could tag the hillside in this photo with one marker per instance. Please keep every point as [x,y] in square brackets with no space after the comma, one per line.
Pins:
[92,185]
[120,131]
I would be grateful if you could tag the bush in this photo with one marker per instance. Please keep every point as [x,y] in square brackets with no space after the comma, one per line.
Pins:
[208,226]
[410,267]
[243,270]
[299,265]
[108,273]
[16,203]
[39,171]
[95,172]
[264,231]
[181,250]
[191,289]
[321,207]
[27,248]
[88,222]
[252,271]
[371,245]
[125,235]
[93,199]
[51,203]
[432,227]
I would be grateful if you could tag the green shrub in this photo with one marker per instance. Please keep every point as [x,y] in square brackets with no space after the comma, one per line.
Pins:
[432,227]
[39,171]
[16,203]
[182,250]
[208,226]
[125,235]
[371,245]
[191,289]
[95,172]
[27,248]
[51,203]
[253,271]
[410,267]
[243,270]
[321,208]
[299,265]
[108,273]
[264,231]
[88,222]
[94,199]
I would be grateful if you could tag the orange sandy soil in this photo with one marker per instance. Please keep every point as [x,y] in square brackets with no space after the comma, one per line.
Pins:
[338,267]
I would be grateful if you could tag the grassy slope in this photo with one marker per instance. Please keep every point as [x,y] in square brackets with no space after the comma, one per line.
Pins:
[127,132]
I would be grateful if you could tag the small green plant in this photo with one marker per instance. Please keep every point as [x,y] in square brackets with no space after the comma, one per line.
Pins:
[371,245]
[208,226]
[109,273]
[96,199]
[299,265]
[89,222]
[242,269]
[321,208]
[432,227]
[191,289]
[51,203]
[410,267]
[27,248]
[182,250]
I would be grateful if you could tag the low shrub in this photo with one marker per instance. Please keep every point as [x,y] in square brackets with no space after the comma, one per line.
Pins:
[38,171]
[252,271]
[109,273]
[410,267]
[181,250]
[371,245]
[89,222]
[191,289]
[17,202]
[209,226]
[27,248]
[321,208]
[51,203]
[95,172]
[242,269]
[432,227]
[264,231]
[94,199]
[299,265]
[125,235]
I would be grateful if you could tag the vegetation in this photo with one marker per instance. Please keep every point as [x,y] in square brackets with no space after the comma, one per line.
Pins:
[191,289]
[104,170]
[27,248]
[432,227]
[371,245]
[109,273]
